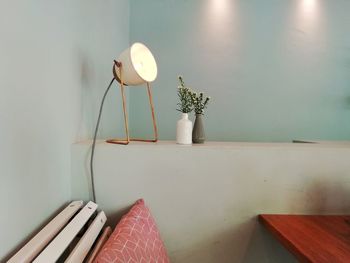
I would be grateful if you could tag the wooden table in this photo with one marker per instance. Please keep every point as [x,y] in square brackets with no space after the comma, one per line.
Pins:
[312,238]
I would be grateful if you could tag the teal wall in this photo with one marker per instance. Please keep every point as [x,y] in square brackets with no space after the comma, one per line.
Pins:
[55,62]
[276,70]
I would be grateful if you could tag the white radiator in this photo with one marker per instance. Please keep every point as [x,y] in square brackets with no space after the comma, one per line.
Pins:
[53,240]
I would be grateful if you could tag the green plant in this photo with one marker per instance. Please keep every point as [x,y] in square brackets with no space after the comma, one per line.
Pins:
[184,93]
[199,102]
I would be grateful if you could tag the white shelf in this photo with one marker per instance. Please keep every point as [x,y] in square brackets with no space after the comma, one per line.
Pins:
[221,144]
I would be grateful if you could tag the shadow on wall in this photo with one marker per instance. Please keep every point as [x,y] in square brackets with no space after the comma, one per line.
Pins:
[322,197]
[250,242]
[263,247]
[247,242]
[227,246]
[114,218]
[87,77]
[347,101]
[347,64]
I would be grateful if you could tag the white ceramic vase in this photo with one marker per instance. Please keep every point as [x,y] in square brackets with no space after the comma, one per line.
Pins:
[184,130]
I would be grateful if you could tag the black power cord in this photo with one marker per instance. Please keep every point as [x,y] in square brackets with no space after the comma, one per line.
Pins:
[94,142]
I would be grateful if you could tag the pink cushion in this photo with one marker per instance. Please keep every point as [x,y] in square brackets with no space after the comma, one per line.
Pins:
[135,239]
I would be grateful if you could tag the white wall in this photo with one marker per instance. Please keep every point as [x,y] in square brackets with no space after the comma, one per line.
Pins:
[205,198]
[55,62]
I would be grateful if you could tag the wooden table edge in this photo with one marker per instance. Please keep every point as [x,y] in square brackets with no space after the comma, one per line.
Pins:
[283,239]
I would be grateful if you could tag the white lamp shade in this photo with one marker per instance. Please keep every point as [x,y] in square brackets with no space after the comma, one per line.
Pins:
[138,65]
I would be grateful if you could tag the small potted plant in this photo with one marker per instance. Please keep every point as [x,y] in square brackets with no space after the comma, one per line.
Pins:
[199,103]
[184,125]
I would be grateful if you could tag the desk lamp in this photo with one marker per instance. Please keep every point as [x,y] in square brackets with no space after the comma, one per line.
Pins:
[135,66]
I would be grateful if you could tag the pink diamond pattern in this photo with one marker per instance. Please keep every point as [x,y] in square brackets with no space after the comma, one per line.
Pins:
[135,239]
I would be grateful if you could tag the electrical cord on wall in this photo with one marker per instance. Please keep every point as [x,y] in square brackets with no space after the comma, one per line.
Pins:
[94,142]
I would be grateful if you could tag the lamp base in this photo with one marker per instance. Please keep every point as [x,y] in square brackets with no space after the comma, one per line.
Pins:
[118,141]
[126,142]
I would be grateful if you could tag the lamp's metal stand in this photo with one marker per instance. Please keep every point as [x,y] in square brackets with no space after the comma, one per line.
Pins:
[127,140]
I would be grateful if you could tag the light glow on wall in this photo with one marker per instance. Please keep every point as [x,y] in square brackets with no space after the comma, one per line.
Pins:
[217,15]
[308,14]
[217,30]
[309,6]
[219,7]
[307,39]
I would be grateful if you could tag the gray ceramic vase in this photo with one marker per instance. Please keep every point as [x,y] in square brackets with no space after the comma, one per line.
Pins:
[198,135]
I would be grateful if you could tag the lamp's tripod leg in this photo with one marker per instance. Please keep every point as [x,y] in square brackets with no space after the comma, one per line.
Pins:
[155,130]
[126,122]
[152,110]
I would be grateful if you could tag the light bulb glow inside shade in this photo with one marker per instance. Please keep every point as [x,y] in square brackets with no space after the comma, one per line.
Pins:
[138,65]
[143,61]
